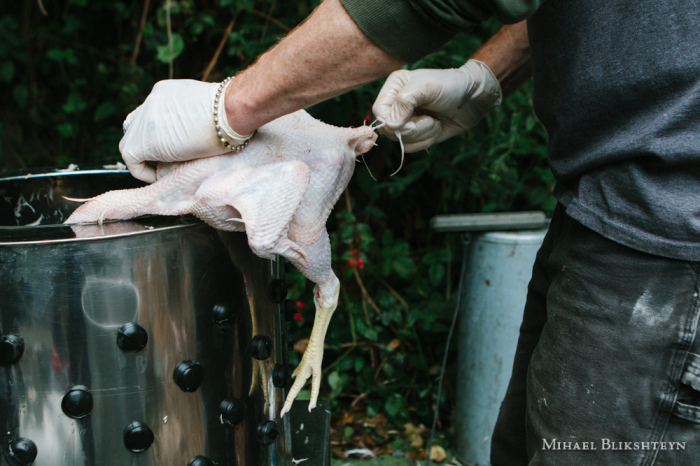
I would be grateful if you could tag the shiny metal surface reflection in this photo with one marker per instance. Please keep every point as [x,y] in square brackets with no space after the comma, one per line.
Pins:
[87,388]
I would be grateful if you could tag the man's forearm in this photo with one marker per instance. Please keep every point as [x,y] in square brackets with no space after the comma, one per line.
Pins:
[325,56]
[507,54]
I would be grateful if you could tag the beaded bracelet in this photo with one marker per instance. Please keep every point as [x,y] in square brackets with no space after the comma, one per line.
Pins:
[219,131]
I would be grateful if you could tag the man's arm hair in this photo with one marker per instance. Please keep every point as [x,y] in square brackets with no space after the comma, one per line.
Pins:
[507,54]
[324,56]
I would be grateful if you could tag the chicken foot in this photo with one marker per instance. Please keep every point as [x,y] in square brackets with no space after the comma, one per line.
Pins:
[326,294]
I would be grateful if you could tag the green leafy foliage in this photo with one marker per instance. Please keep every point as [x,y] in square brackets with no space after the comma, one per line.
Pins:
[167,52]
[70,75]
[71,70]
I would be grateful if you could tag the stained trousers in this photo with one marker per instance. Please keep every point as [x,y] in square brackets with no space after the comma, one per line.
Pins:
[607,367]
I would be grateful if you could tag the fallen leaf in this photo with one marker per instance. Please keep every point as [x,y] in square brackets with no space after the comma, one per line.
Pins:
[437,454]
[347,418]
[416,441]
[415,456]
[300,346]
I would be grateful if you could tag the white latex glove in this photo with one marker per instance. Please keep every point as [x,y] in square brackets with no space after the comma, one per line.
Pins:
[428,106]
[175,124]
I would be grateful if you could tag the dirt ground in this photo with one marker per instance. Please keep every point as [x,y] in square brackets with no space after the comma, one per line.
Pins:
[389,460]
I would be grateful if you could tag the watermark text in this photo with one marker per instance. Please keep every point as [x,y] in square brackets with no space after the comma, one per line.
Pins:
[607,444]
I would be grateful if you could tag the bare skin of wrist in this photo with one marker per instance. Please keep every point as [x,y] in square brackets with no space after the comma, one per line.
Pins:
[507,54]
[325,56]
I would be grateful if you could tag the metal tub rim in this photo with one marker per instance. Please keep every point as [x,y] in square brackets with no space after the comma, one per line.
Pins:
[56,233]
[91,238]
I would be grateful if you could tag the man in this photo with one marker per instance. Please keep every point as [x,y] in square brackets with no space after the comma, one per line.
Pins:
[607,369]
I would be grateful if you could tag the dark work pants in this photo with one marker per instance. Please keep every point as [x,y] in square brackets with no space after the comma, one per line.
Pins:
[607,368]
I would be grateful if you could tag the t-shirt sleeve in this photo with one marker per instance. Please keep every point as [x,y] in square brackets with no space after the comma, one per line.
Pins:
[410,29]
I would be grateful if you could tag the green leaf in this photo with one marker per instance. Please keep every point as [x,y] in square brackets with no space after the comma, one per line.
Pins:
[347,216]
[372,409]
[393,405]
[66,129]
[104,110]
[245,4]
[55,54]
[337,381]
[347,432]
[345,365]
[389,370]
[365,330]
[74,103]
[404,267]
[375,211]
[70,56]
[72,24]
[359,363]
[65,160]
[148,30]
[418,362]
[163,51]
[21,94]
[387,238]
[400,444]
[390,315]
[365,233]
[7,71]
[436,272]
[67,55]
[530,123]
[334,380]
[208,20]
[196,29]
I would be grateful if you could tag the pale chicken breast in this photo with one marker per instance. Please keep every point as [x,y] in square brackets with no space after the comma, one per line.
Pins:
[279,190]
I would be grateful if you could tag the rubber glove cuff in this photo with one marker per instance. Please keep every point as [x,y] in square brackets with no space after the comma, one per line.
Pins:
[231,136]
[486,92]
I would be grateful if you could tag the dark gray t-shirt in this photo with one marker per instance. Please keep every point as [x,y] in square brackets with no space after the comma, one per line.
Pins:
[617,86]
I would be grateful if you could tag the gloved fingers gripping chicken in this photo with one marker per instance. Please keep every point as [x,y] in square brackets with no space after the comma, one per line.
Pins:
[428,106]
[174,124]
[279,190]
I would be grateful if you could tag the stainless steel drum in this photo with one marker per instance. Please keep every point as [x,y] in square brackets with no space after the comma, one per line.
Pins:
[158,341]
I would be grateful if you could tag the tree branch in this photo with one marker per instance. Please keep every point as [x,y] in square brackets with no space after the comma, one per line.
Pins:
[139,36]
[279,23]
[364,291]
[222,42]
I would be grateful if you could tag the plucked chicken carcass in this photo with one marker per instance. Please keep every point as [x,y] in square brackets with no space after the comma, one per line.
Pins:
[279,190]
